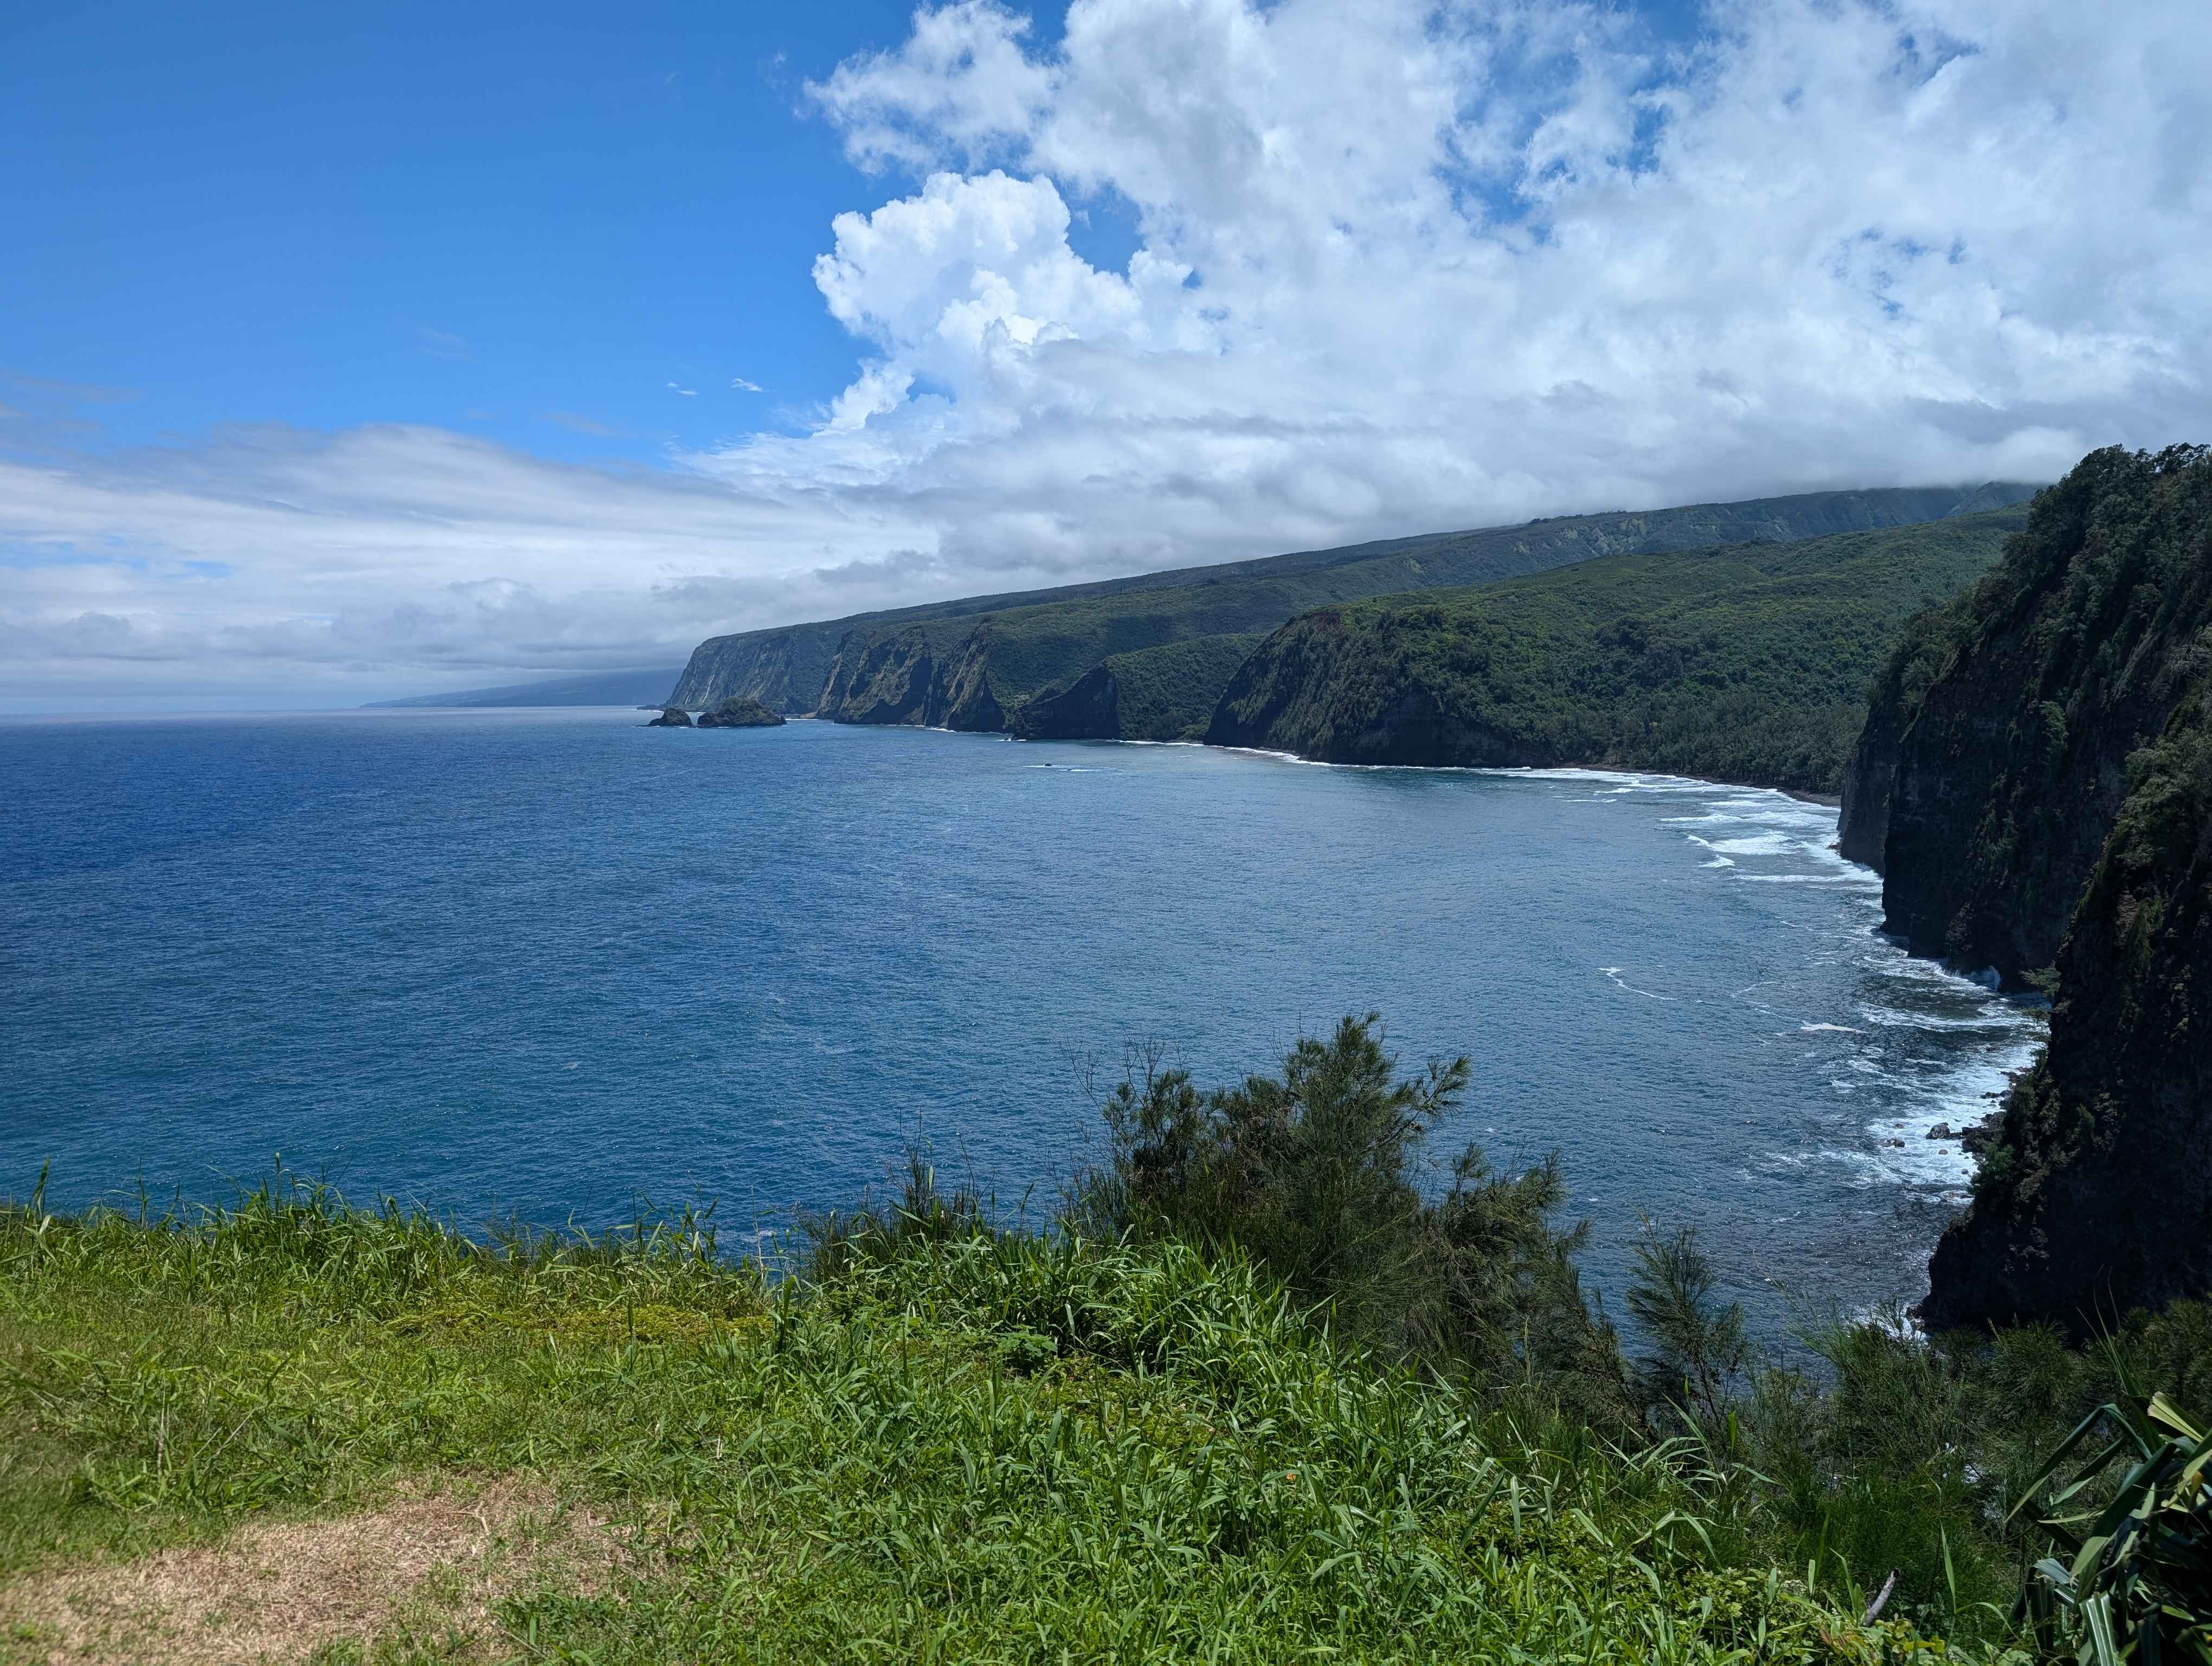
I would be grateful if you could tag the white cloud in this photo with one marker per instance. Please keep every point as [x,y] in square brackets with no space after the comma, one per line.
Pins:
[688,393]
[741,386]
[1398,266]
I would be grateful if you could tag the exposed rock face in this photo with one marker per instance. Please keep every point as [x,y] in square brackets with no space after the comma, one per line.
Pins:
[2009,774]
[1088,708]
[674,717]
[784,670]
[2095,1195]
[2049,806]
[926,675]
[738,711]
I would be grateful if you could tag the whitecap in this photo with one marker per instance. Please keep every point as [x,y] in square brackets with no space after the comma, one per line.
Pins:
[1619,982]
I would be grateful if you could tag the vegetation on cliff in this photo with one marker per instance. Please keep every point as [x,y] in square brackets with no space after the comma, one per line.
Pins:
[2011,763]
[1146,658]
[2049,815]
[1748,663]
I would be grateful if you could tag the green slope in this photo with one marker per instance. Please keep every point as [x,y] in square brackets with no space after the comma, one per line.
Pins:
[1004,662]
[1747,663]
[984,1451]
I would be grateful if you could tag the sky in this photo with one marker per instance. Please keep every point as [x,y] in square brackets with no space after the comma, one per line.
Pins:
[348,353]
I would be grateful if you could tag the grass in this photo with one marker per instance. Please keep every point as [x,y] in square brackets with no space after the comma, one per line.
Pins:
[958,1446]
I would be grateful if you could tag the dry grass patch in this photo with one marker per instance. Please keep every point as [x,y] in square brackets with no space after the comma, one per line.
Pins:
[424,1569]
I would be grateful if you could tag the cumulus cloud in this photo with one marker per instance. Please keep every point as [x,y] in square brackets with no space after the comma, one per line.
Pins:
[1397,264]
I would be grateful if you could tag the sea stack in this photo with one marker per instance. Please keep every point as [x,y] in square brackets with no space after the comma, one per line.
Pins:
[739,711]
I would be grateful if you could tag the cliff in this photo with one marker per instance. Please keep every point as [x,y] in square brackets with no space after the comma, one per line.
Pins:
[2012,764]
[2051,815]
[1148,657]
[1165,693]
[1747,663]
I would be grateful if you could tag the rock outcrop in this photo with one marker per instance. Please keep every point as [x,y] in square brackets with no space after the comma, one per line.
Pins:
[738,711]
[672,717]
[1088,708]
[2013,766]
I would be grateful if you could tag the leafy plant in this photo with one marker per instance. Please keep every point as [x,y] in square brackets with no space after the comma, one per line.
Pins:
[2139,1585]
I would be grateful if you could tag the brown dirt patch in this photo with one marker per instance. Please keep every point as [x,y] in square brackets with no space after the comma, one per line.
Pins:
[430,1564]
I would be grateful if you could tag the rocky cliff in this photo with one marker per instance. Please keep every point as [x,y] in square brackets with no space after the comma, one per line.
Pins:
[2049,815]
[2010,767]
[1147,657]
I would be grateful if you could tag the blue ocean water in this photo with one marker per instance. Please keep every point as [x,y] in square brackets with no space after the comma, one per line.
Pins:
[547,964]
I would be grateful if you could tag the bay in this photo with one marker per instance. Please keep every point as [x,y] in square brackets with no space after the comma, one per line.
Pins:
[554,965]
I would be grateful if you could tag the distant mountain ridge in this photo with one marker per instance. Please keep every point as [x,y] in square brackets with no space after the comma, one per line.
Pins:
[605,688]
[1148,657]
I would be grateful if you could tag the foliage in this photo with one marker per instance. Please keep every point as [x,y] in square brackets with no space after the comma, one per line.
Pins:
[2052,818]
[2140,1583]
[1698,1346]
[1313,1173]
[1749,664]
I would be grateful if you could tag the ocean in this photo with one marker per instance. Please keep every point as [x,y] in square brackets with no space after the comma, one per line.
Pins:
[555,966]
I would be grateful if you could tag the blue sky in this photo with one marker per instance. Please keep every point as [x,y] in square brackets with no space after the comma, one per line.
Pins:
[524,222]
[354,352]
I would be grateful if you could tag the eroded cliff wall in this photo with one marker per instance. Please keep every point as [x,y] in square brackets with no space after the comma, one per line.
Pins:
[2049,815]
[2071,655]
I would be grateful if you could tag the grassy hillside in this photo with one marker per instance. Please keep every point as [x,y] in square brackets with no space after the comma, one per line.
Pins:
[977,1450]
[983,1452]
[975,663]
[1748,663]
[1290,1408]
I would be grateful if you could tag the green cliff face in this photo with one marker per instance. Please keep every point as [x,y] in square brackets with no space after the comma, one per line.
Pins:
[1147,658]
[2050,805]
[2012,764]
[1747,663]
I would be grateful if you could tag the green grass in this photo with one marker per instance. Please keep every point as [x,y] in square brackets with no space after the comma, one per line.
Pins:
[966,1447]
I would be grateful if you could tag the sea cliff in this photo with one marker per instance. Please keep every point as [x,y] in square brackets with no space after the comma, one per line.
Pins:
[2044,804]
[1149,657]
